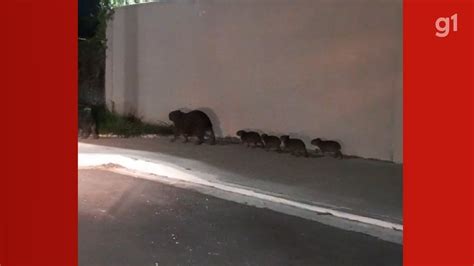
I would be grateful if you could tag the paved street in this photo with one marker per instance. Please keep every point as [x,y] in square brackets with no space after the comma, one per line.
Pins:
[129,221]
[362,187]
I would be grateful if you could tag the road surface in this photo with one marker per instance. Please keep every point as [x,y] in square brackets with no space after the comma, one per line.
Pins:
[130,221]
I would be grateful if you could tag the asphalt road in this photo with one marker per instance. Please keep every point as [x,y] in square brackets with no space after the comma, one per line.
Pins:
[129,221]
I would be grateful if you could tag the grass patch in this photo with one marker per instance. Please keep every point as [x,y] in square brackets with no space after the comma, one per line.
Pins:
[129,125]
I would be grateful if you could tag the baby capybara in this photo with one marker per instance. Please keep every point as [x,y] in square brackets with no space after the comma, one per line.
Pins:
[195,123]
[250,138]
[330,146]
[294,146]
[271,142]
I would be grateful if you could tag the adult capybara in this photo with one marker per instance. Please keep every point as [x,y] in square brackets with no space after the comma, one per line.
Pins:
[250,138]
[328,146]
[194,123]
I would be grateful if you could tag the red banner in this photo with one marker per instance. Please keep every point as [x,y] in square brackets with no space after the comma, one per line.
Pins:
[38,189]
[438,137]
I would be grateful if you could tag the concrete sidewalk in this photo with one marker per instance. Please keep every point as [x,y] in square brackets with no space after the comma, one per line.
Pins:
[357,186]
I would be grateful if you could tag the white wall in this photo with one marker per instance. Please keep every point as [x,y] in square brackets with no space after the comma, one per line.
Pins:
[311,68]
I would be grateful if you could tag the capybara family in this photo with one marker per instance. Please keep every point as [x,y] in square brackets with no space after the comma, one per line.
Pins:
[197,123]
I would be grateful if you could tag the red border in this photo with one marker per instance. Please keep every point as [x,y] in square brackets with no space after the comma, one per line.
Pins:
[438,115]
[38,215]
[38,186]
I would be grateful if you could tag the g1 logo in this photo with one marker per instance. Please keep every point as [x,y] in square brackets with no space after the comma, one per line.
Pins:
[443,26]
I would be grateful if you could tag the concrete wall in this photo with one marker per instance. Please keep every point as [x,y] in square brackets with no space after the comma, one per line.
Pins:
[311,68]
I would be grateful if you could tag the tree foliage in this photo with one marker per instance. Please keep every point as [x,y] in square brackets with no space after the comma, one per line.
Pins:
[92,52]
[91,57]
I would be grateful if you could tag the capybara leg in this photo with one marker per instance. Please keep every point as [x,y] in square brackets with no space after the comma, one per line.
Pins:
[339,155]
[186,139]
[200,135]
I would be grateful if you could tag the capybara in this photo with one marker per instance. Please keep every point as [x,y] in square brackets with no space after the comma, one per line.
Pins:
[194,123]
[294,146]
[271,142]
[250,138]
[328,146]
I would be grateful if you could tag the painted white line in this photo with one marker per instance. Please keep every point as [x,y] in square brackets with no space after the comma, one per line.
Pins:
[166,170]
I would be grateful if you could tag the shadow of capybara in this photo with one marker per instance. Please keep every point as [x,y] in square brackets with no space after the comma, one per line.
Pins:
[194,123]
[294,146]
[328,146]
[250,138]
[271,142]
